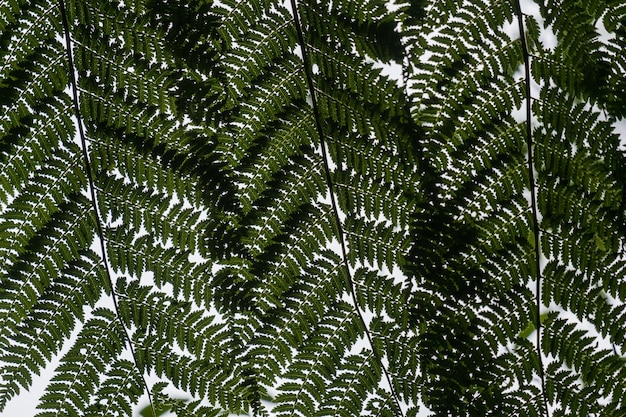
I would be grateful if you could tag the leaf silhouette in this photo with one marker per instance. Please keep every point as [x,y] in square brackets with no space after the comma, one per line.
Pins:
[313,208]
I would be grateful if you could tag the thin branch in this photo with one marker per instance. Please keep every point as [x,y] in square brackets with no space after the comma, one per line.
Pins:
[92,191]
[533,198]
[333,200]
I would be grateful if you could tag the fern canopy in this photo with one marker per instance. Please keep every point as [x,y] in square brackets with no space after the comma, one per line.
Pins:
[311,208]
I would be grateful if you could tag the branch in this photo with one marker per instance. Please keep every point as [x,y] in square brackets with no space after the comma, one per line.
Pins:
[533,198]
[92,191]
[333,200]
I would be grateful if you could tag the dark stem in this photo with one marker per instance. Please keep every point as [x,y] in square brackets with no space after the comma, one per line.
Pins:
[92,191]
[333,200]
[533,198]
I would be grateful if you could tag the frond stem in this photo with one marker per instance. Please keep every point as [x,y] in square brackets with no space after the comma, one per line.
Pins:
[92,191]
[533,198]
[333,200]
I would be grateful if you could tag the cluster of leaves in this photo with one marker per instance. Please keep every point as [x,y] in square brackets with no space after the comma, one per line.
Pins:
[230,147]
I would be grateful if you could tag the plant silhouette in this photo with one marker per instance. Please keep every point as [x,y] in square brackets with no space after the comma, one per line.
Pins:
[233,199]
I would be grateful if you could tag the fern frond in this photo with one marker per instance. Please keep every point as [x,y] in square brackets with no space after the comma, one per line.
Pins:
[78,376]
[287,227]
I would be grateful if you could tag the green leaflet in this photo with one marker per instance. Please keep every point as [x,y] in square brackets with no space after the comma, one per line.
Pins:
[530,327]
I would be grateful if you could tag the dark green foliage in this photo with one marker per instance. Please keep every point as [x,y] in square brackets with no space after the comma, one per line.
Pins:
[229,178]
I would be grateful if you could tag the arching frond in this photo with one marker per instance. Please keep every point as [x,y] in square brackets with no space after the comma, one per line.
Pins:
[311,208]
